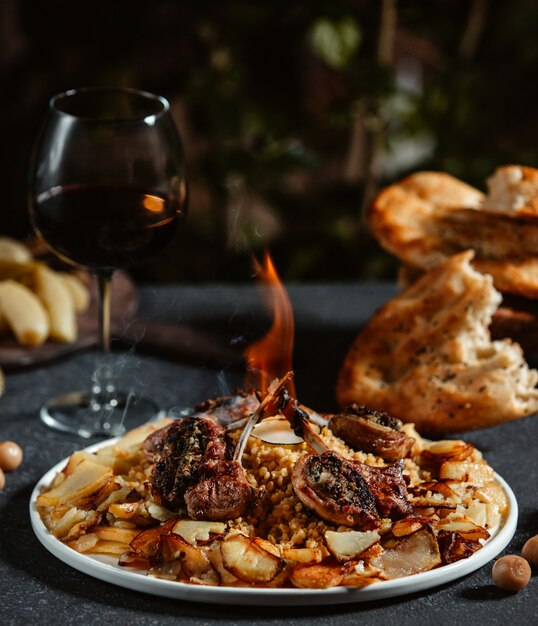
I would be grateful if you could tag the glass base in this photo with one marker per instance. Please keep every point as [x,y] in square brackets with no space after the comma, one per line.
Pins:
[78,412]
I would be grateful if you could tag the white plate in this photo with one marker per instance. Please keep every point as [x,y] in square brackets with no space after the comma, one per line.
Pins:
[106,568]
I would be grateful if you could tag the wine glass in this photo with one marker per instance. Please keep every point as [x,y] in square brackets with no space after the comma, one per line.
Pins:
[107,189]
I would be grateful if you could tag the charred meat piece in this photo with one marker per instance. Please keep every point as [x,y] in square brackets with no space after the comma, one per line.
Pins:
[349,492]
[388,488]
[338,489]
[221,493]
[153,444]
[335,489]
[189,446]
[372,431]
[221,410]
[228,409]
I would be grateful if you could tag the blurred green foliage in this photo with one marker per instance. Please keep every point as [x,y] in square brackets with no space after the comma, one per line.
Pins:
[293,113]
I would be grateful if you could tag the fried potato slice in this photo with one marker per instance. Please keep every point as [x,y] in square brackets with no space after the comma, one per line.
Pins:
[74,523]
[415,553]
[86,479]
[59,303]
[319,576]
[195,564]
[193,531]
[247,560]
[347,545]
[24,313]
[307,556]
[119,535]
[464,527]
[409,525]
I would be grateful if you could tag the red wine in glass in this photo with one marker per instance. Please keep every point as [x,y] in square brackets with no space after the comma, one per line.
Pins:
[106,226]
[108,189]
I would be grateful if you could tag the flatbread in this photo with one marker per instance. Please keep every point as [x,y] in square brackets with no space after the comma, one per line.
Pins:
[430,216]
[513,190]
[427,356]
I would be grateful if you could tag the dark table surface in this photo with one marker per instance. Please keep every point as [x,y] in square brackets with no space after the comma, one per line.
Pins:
[37,588]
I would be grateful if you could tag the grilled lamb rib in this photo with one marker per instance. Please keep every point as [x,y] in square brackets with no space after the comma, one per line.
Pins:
[228,409]
[221,493]
[338,489]
[194,465]
[332,487]
[189,446]
[372,431]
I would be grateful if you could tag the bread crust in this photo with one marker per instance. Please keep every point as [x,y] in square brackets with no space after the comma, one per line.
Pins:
[513,189]
[427,356]
[429,216]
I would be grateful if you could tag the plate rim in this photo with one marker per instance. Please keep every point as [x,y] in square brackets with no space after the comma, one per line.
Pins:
[106,568]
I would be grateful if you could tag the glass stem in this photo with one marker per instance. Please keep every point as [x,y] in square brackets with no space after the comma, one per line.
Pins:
[103,289]
[103,387]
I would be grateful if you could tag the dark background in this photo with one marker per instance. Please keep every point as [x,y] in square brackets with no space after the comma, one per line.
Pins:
[293,112]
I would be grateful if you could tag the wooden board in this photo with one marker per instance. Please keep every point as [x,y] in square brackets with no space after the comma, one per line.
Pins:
[13,356]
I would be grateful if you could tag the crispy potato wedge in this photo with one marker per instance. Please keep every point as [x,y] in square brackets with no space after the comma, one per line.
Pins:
[437,486]
[226,577]
[20,272]
[131,559]
[118,495]
[24,313]
[347,545]
[13,250]
[80,294]
[124,510]
[81,455]
[85,542]
[247,560]
[158,512]
[454,547]
[59,303]
[267,545]
[434,501]
[493,493]
[113,548]
[362,577]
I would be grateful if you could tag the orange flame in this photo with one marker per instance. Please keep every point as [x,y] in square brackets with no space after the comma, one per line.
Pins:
[271,356]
